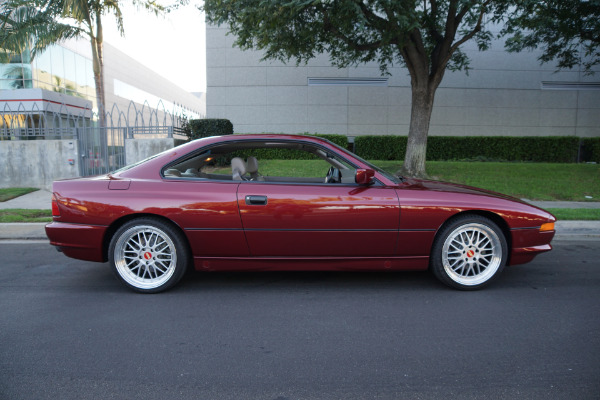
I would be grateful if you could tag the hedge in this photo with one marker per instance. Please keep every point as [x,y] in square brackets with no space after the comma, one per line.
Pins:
[590,149]
[380,147]
[560,149]
[283,154]
[200,128]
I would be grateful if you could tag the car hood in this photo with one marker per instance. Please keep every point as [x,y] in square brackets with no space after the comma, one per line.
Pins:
[438,186]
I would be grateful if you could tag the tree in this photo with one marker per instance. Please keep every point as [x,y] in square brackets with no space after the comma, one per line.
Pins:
[568,31]
[424,35]
[38,24]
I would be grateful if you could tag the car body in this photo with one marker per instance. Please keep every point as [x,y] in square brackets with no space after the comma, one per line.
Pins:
[206,204]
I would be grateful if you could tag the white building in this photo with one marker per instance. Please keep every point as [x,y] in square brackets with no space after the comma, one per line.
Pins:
[66,69]
[504,94]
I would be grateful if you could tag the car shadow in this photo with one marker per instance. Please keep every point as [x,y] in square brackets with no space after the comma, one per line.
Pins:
[297,280]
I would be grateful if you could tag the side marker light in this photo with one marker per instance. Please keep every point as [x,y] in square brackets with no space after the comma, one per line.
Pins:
[548,226]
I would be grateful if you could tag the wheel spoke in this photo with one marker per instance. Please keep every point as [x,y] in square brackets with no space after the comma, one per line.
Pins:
[472,253]
[145,256]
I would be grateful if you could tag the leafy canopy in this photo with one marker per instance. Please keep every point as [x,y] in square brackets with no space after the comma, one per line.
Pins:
[37,24]
[567,31]
[354,32]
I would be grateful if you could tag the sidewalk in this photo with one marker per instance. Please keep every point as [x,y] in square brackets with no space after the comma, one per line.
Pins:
[41,199]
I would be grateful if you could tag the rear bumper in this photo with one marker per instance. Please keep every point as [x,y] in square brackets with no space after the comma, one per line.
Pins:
[83,242]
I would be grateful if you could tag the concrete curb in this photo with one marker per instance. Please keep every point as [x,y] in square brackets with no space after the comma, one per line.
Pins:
[23,231]
[565,230]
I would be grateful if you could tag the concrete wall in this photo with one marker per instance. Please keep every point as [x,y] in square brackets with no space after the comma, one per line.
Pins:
[36,163]
[502,95]
[139,149]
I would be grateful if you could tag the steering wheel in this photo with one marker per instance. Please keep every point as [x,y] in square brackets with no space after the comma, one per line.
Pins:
[333,175]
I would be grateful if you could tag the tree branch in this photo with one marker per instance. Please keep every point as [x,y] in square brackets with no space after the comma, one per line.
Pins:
[474,31]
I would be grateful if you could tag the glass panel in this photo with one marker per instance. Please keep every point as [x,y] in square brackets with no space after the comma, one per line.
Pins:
[26,71]
[58,66]
[43,67]
[26,57]
[70,73]
[44,85]
[13,74]
[80,78]
[5,84]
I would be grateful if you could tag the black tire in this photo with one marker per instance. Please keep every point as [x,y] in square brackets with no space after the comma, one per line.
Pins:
[149,255]
[469,252]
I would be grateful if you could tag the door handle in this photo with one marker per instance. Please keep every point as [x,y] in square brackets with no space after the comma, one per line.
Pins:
[256,200]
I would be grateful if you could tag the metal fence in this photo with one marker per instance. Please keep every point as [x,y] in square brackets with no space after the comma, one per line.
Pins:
[101,148]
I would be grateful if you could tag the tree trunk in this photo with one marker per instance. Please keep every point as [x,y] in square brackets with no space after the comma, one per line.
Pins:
[420,116]
[98,64]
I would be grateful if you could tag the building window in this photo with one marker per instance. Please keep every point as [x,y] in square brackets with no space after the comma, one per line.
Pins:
[347,81]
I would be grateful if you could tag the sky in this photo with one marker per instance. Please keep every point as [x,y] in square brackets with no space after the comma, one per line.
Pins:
[174,46]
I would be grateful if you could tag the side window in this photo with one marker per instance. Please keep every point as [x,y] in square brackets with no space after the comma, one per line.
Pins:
[277,164]
[206,165]
[274,161]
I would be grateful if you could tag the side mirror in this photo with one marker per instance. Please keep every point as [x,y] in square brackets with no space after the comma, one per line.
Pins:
[364,176]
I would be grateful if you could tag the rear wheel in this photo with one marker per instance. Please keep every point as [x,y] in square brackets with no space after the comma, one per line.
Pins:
[469,252]
[148,255]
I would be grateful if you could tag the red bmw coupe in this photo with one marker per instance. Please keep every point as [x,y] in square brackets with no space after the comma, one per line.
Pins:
[213,203]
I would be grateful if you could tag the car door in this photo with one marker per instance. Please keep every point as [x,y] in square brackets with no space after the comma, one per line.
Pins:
[318,220]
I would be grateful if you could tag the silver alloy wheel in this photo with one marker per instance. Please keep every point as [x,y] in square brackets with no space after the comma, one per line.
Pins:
[145,257]
[472,254]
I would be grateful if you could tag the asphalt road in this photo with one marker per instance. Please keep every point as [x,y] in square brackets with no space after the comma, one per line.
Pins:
[68,330]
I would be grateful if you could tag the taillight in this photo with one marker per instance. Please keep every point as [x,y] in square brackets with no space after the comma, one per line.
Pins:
[55,210]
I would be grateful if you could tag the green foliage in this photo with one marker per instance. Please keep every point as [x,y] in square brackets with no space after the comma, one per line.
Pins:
[287,154]
[200,128]
[562,149]
[539,149]
[351,32]
[380,147]
[340,140]
[567,31]
[25,215]
[32,26]
[590,149]
[11,193]
[576,214]
[426,37]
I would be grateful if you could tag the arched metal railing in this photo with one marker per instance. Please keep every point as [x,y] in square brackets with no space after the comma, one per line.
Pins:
[101,148]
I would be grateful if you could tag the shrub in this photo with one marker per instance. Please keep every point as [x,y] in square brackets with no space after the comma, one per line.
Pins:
[286,154]
[562,149]
[590,149]
[380,147]
[200,128]
[340,140]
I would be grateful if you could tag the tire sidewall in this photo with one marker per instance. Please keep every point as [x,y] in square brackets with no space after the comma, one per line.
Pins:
[179,242]
[436,259]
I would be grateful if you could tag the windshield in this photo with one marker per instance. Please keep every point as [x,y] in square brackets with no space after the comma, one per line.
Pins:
[391,177]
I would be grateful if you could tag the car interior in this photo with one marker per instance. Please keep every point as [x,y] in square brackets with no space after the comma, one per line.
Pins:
[239,161]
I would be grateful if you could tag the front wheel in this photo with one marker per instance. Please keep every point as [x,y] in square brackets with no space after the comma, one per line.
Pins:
[469,252]
[148,255]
